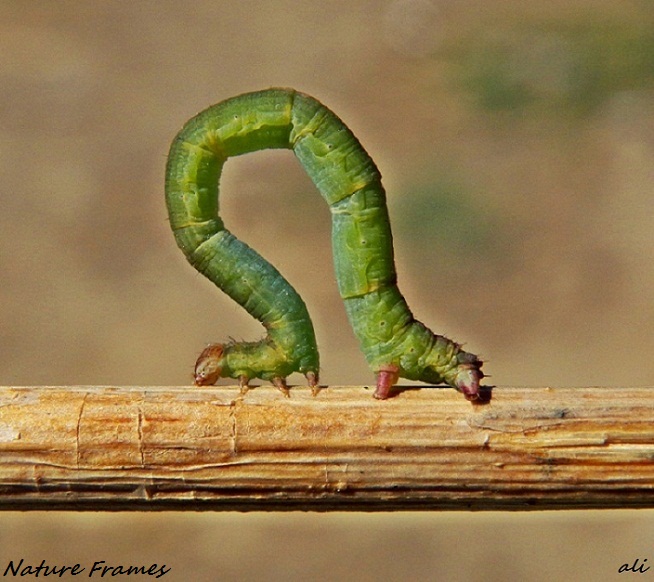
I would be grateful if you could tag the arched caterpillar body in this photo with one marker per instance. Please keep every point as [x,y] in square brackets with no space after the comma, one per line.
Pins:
[395,344]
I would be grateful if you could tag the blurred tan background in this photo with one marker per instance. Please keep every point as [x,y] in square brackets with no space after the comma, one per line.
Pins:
[516,140]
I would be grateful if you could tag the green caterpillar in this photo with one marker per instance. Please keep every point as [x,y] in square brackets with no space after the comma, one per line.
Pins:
[395,344]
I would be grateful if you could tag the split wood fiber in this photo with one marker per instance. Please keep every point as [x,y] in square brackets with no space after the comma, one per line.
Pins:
[140,448]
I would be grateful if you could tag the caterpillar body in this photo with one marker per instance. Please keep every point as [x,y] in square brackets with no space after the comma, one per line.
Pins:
[395,344]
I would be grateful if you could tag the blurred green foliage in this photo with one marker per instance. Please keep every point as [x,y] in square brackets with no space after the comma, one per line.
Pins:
[568,67]
[443,225]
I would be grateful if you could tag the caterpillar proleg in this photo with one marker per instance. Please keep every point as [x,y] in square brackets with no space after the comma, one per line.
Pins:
[394,343]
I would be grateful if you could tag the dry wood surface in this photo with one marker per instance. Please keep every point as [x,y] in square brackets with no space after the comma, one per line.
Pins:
[139,448]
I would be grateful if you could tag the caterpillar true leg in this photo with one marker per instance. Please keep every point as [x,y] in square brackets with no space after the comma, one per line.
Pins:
[312,380]
[280,384]
[394,342]
[244,384]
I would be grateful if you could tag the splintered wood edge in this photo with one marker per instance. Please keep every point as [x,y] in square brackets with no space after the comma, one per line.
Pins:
[142,448]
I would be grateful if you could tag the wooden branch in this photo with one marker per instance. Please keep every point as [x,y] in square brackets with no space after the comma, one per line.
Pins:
[189,448]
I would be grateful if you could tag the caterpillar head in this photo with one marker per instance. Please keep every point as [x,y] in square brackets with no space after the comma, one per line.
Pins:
[209,366]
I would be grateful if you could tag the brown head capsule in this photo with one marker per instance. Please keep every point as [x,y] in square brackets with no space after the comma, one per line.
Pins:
[208,366]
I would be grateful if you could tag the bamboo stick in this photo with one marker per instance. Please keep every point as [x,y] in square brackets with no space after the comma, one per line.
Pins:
[140,448]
